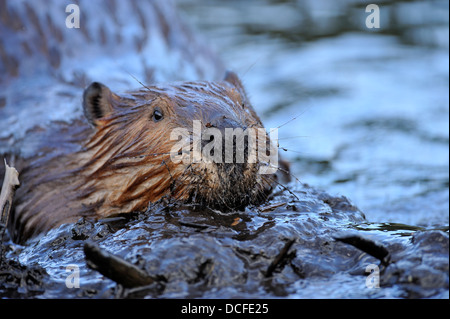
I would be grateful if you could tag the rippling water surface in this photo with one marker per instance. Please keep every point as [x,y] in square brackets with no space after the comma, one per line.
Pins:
[362,112]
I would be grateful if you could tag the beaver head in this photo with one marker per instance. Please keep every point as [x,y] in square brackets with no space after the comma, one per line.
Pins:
[139,147]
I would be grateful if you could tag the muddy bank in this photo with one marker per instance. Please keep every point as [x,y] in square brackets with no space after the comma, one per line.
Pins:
[293,246]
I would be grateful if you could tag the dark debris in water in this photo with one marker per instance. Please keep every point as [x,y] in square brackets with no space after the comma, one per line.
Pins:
[369,246]
[117,269]
[280,258]
[280,249]
[17,280]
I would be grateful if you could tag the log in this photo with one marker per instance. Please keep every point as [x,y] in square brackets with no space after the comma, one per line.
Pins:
[115,268]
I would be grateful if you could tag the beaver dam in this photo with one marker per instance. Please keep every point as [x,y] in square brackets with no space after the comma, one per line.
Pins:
[362,115]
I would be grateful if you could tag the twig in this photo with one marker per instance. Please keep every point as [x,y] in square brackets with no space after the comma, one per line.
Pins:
[368,246]
[115,268]
[279,258]
[10,184]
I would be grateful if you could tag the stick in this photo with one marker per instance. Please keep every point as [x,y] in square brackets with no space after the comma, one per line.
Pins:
[10,184]
[279,258]
[368,246]
[115,268]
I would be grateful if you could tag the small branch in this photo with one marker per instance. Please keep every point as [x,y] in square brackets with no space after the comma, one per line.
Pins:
[115,268]
[10,184]
[368,246]
[279,258]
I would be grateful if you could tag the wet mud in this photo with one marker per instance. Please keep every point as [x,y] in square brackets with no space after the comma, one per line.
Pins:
[300,239]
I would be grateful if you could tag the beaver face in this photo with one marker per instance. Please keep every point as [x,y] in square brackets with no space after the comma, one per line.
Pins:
[169,141]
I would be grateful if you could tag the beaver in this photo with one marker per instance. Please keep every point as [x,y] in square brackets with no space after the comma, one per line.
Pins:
[115,156]
[118,159]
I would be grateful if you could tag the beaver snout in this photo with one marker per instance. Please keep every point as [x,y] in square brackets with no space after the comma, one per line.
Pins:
[223,122]
[225,141]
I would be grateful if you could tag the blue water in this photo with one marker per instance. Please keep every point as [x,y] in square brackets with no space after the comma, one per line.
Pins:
[362,112]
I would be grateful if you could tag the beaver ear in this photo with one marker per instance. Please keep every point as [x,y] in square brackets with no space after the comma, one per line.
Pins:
[97,102]
[232,78]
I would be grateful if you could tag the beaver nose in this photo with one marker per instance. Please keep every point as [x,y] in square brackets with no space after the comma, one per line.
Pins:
[224,122]
[233,144]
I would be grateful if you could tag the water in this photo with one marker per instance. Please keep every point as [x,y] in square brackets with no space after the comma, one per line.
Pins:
[371,105]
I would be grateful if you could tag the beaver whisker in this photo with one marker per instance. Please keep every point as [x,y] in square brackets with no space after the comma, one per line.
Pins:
[285,171]
[291,137]
[172,181]
[143,85]
[285,188]
[288,150]
[180,179]
[223,197]
[293,119]
[150,154]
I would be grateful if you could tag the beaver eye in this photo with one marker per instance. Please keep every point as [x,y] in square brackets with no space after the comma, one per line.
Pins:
[157,115]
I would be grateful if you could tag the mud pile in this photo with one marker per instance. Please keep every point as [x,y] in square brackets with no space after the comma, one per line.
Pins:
[302,243]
